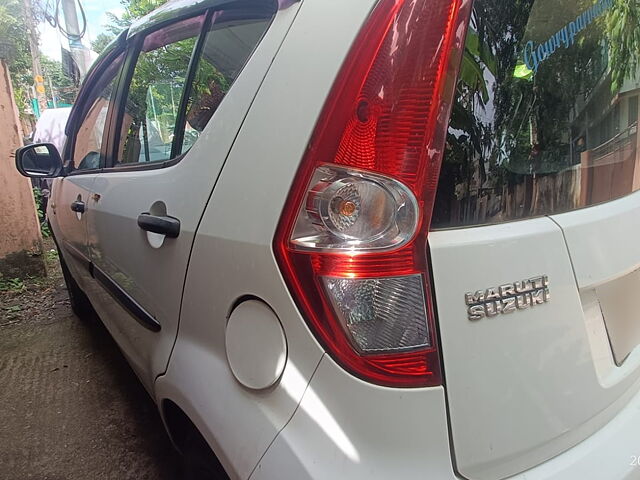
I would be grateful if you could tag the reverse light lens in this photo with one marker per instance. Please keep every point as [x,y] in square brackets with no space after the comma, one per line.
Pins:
[355,211]
[381,315]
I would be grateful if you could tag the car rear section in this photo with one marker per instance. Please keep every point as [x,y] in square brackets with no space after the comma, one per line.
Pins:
[446,193]
[532,249]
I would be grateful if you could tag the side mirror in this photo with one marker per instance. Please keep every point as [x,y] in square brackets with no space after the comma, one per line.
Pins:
[39,160]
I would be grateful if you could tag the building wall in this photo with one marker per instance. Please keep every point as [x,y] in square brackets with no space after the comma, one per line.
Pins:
[20,240]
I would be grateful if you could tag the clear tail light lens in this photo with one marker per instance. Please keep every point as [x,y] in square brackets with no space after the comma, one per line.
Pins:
[352,240]
[349,210]
[381,315]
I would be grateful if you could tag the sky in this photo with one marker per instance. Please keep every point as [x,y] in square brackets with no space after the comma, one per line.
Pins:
[96,12]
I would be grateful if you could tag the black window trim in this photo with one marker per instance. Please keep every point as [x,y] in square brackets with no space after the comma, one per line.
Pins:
[181,119]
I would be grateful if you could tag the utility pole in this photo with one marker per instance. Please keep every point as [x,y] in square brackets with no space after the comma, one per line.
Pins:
[79,52]
[35,55]
[53,94]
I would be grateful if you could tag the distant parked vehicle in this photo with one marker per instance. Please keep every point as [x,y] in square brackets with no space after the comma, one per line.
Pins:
[50,128]
[366,239]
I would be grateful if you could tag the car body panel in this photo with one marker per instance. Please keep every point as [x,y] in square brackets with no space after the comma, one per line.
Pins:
[600,240]
[609,453]
[541,357]
[607,267]
[347,428]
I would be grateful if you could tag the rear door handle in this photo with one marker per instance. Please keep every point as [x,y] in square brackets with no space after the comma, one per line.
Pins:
[168,226]
[77,206]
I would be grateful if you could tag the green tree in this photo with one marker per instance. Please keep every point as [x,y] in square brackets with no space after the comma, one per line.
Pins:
[63,86]
[133,10]
[14,39]
[101,41]
[624,40]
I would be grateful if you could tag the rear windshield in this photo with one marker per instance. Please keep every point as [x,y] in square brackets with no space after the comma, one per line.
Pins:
[545,118]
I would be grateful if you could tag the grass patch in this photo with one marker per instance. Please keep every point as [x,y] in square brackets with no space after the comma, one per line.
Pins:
[13,285]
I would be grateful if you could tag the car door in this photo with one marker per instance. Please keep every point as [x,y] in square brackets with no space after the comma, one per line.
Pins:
[83,154]
[149,199]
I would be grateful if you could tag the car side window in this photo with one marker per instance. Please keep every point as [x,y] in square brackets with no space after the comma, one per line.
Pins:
[90,134]
[155,92]
[181,74]
[231,38]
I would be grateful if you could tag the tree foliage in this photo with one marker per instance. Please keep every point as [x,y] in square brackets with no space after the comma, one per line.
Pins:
[64,88]
[15,40]
[133,10]
[101,41]
[624,38]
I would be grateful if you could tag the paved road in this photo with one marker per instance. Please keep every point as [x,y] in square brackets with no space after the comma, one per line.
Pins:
[70,406]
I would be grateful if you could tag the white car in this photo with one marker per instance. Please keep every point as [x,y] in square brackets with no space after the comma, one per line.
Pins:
[367,239]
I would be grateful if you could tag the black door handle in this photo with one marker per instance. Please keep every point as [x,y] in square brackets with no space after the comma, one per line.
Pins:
[77,206]
[167,226]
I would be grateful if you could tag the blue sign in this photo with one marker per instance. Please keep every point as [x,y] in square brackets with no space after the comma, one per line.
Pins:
[534,54]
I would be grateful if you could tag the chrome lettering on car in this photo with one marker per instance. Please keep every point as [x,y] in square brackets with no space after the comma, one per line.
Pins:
[507,298]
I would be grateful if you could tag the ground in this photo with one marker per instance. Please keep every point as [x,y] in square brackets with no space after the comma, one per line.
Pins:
[71,408]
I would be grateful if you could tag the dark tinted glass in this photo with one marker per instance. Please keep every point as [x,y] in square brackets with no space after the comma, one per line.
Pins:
[546,111]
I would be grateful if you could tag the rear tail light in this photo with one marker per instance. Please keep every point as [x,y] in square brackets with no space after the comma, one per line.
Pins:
[352,240]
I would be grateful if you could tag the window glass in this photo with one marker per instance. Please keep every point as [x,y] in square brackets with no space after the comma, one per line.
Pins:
[545,118]
[233,36]
[632,111]
[155,92]
[89,137]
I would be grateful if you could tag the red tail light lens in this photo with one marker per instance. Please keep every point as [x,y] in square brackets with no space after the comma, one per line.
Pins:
[352,241]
